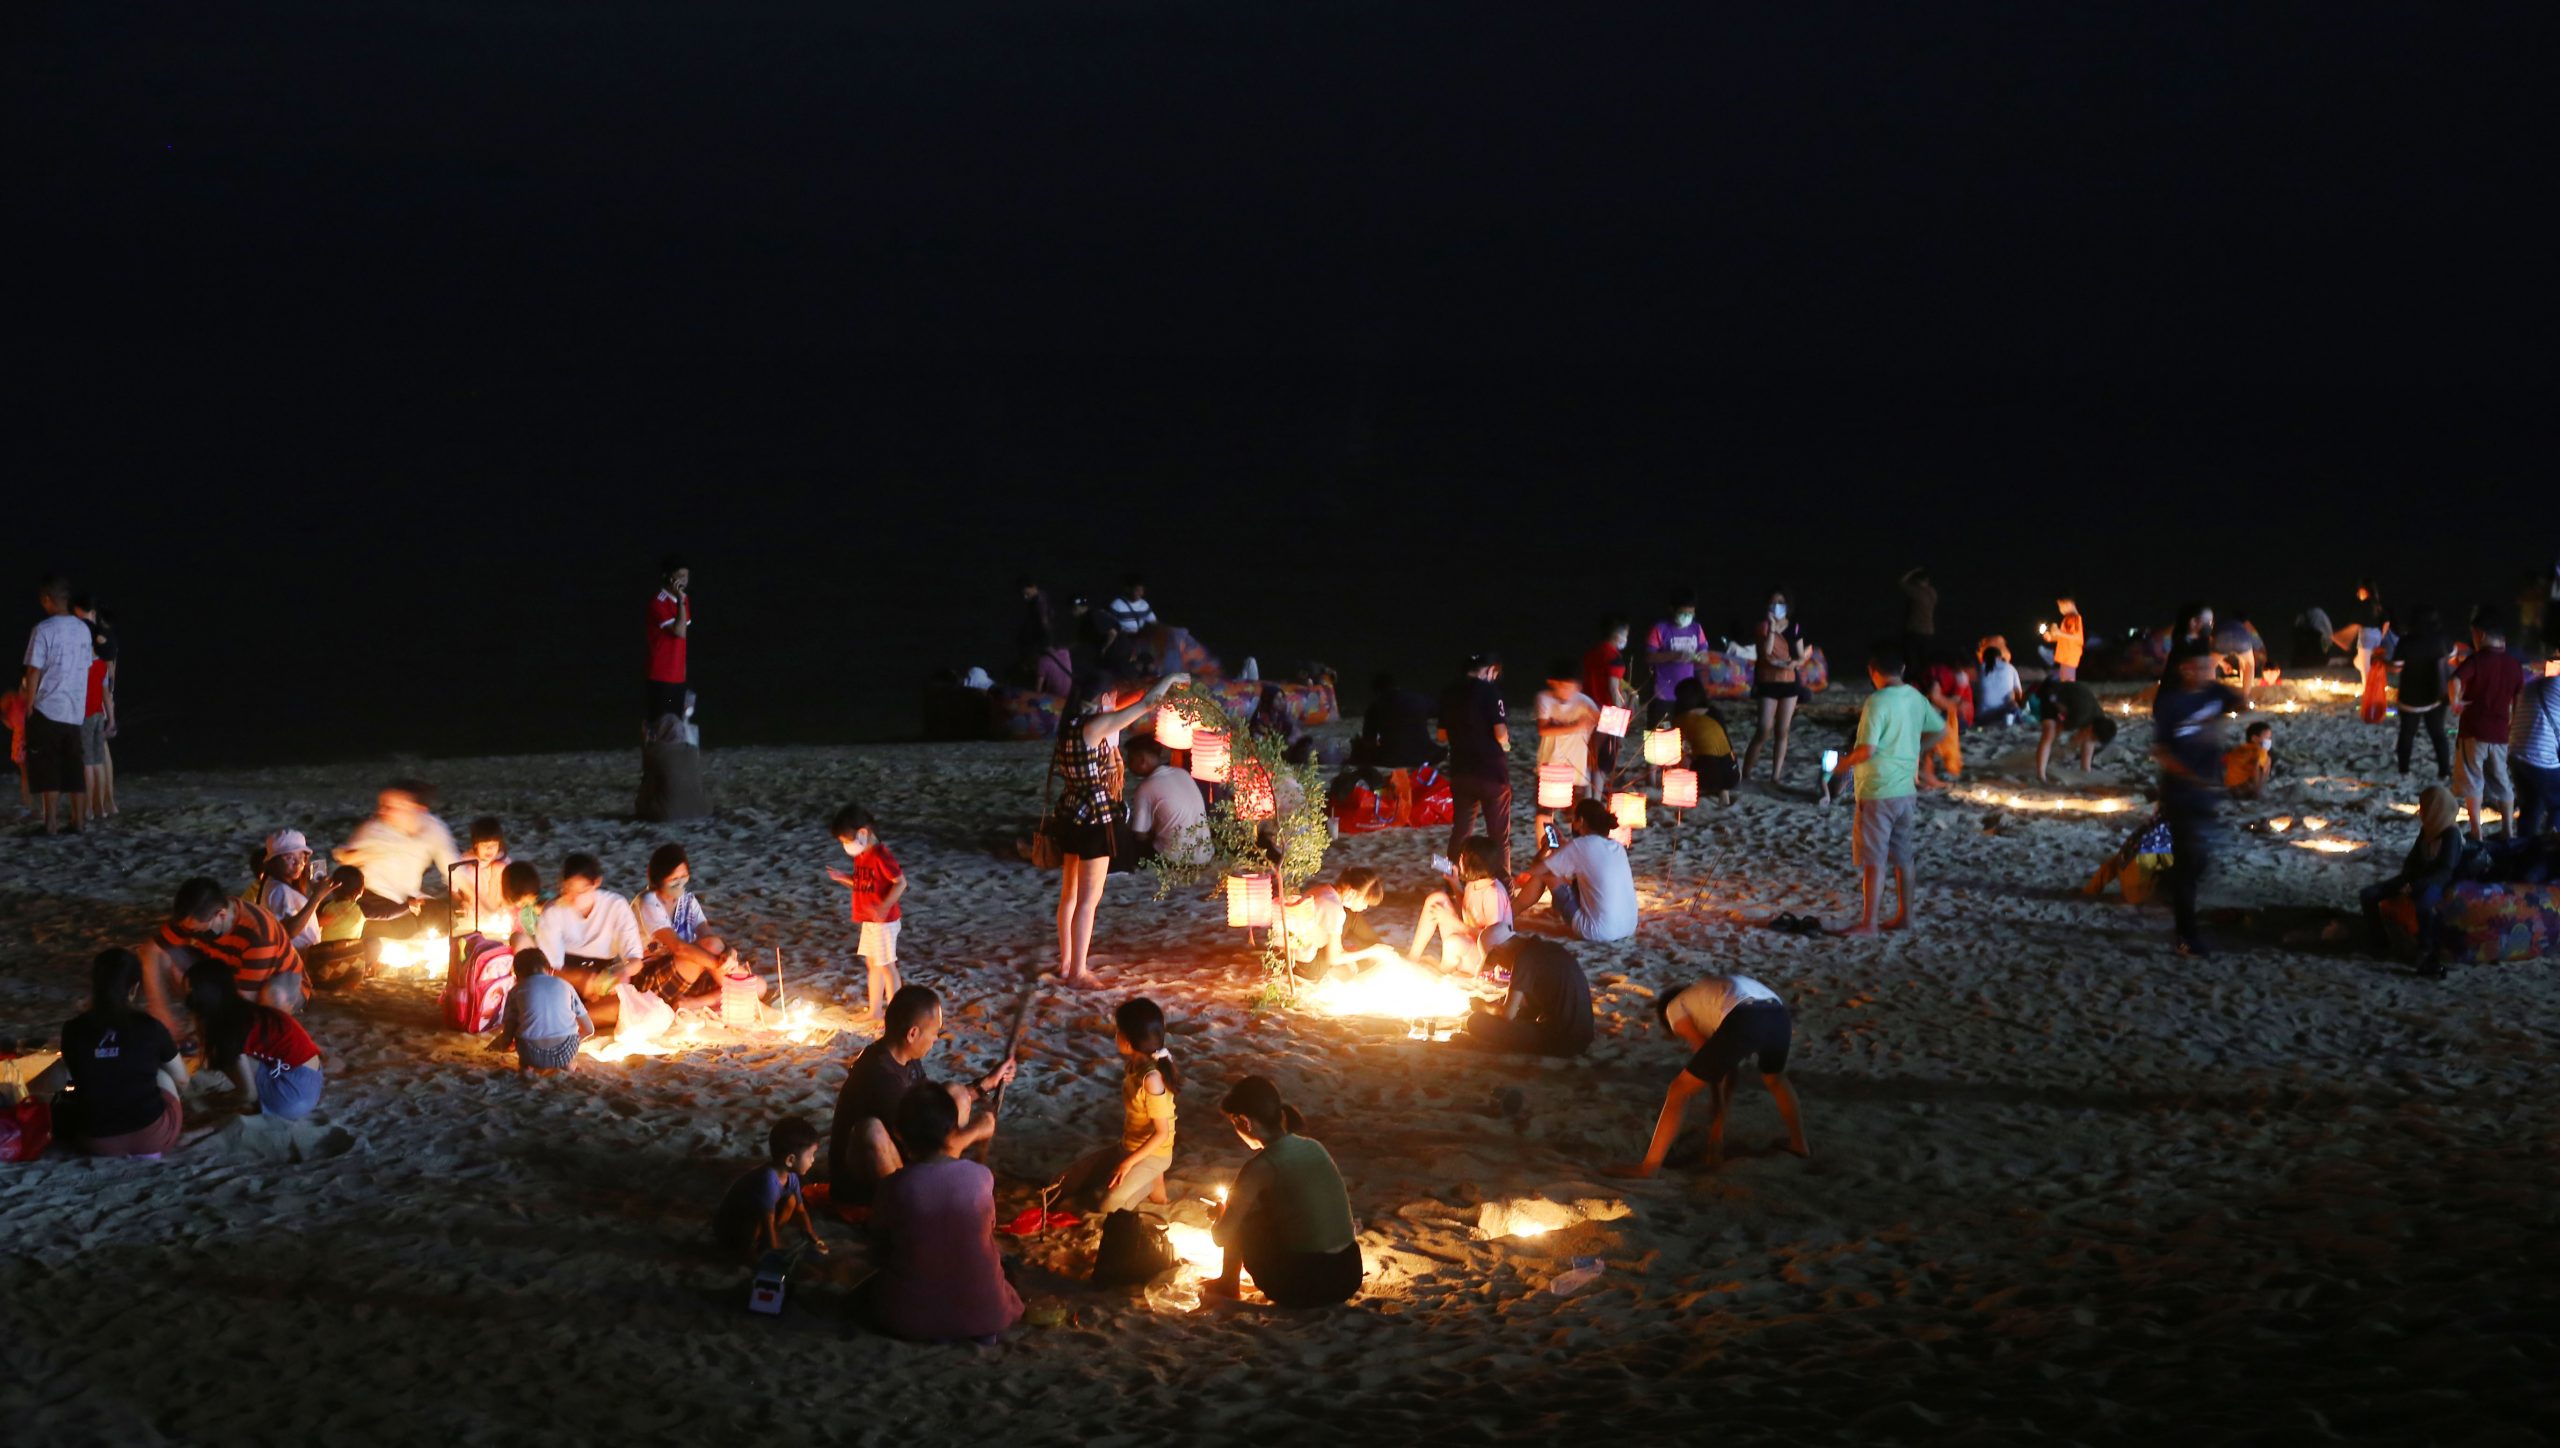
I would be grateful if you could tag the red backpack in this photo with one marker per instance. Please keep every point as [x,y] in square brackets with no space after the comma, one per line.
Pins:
[476,986]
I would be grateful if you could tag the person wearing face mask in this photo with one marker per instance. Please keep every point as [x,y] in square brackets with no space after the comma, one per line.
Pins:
[1775,686]
[676,932]
[590,937]
[1672,647]
[877,885]
[670,624]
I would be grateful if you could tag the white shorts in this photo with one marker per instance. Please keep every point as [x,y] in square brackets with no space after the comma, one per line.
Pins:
[880,941]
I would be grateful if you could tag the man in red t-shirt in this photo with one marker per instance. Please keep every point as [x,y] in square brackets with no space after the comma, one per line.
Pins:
[670,620]
[2484,693]
[1604,678]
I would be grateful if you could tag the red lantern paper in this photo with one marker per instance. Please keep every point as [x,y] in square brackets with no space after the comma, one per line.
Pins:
[1662,746]
[1625,837]
[1173,727]
[1679,789]
[1555,785]
[1249,901]
[1614,720]
[1252,785]
[1628,806]
[1209,756]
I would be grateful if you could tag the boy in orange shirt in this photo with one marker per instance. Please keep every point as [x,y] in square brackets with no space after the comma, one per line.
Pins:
[2246,765]
[2069,636]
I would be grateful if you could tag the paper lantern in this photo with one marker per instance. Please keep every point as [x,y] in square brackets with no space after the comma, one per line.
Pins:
[1209,756]
[1628,806]
[1662,746]
[1625,837]
[1252,785]
[1614,720]
[1679,789]
[1555,785]
[1249,901]
[1173,727]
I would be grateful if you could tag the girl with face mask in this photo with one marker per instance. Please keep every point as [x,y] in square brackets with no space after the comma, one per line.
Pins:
[1774,683]
[1673,649]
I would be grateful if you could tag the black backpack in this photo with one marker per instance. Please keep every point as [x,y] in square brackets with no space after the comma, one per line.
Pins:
[1134,1249]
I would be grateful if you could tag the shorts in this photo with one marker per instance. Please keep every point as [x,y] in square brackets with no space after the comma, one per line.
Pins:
[53,756]
[288,1093]
[1888,831]
[1755,1028]
[93,739]
[1775,689]
[2480,770]
[1098,840]
[880,942]
[551,1053]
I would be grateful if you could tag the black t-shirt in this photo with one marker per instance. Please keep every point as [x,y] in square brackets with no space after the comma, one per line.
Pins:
[872,1091]
[1471,710]
[2075,704]
[1398,728]
[1553,992]
[2421,661]
[117,1069]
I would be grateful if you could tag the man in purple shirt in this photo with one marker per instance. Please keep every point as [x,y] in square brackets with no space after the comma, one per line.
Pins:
[1673,647]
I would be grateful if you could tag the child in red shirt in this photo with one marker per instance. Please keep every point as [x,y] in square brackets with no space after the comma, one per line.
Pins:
[877,885]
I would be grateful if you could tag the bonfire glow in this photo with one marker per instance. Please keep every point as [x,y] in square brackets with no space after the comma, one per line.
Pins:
[2315,822]
[1397,990]
[2071,804]
[2280,824]
[426,951]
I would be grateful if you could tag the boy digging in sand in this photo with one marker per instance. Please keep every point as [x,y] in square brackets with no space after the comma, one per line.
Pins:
[767,1198]
[1725,1020]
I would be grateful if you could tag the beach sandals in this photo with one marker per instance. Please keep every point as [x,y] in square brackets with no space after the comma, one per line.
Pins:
[1793,924]
[1040,1219]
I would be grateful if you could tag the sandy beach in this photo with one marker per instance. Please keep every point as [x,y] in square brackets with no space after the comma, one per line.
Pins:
[2065,1186]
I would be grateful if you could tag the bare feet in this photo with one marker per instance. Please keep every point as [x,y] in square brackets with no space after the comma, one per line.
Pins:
[1856,931]
[1896,923]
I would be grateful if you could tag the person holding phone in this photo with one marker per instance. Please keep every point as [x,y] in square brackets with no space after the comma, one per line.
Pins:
[670,624]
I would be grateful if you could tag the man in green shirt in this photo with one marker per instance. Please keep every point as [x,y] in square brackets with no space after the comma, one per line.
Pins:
[1896,725]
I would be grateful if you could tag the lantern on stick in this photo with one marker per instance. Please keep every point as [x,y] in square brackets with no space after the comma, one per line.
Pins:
[1555,785]
[1679,789]
[1249,901]
[1252,785]
[1628,806]
[1614,720]
[1209,756]
[1662,746]
[1173,727]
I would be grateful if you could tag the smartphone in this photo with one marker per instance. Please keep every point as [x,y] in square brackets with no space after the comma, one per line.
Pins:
[1551,837]
[1441,864]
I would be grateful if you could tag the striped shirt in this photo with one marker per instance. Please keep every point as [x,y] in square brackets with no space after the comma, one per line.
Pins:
[255,947]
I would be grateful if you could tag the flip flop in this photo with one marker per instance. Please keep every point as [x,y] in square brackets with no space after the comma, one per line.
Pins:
[1064,1219]
[1030,1221]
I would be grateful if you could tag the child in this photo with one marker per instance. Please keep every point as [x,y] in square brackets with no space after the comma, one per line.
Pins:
[477,883]
[544,1020]
[521,888]
[767,1198]
[1148,1079]
[1703,740]
[338,957]
[1326,927]
[266,1051]
[1472,916]
[1567,719]
[877,885]
[2246,765]
[2066,639]
[13,712]
[1724,1020]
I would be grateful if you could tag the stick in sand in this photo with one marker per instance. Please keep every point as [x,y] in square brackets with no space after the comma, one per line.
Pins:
[1012,1043]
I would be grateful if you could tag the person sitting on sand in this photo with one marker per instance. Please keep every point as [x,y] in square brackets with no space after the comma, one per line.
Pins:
[1472,915]
[1166,810]
[1548,1010]
[127,1081]
[941,1278]
[591,937]
[243,936]
[522,886]
[395,849]
[1703,741]
[2070,708]
[477,882]
[1724,1020]
[2425,873]
[766,1199]
[1086,818]
[1326,928]
[1287,1219]
[2247,765]
[1132,1171]
[266,1051]
[544,1019]
[1999,697]
[861,1153]
[1951,694]
[2151,837]
[674,930]
[338,956]
[1588,880]
[283,868]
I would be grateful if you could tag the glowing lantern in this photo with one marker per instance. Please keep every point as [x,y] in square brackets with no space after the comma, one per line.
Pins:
[1253,793]
[1614,720]
[1249,901]
[1628,806]
[1662,746]
[1625,837]
[1173,727]
[1679,789]
[1209,756]
[1555,785]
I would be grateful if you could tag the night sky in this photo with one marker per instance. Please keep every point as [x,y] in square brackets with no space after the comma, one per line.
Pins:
[365,357]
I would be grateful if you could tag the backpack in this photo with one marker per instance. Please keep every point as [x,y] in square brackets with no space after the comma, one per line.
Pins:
[1134,1249]
[476,986]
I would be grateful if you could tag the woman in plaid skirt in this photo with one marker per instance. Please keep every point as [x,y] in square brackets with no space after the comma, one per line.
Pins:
[1089,813]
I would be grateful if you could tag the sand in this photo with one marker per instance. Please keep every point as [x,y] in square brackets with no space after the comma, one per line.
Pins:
[2065,1186]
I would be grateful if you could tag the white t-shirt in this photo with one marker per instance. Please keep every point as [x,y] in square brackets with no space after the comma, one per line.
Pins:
[1604,886]
[60,647]
[1310,921]
[283,901]
[1999,681]
[1711,1000]
[607,931]
[655,916]
[395,864]
[1168,810]
[1572,746]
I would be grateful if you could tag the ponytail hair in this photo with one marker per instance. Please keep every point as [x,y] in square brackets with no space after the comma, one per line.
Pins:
[1475,859]
[1256,1100]
[1141,1023]
[113,978]
[221,1015]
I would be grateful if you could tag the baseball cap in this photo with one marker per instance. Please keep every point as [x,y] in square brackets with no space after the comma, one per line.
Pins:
[287,842]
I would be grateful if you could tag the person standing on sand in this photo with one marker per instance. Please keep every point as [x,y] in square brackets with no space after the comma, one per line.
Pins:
[1724,1020]
[1894,727]
[98,718]
[1775,684]
[1919,618]
[1089,813]
[1604,679]
[55,684]
[1476,725]
[2068,637]
[1672,647]
[2483,697]
[2186,723]
[2071,708]
[2421,654]
[670,625]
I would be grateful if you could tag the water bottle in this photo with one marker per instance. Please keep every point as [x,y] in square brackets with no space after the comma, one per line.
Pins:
[1585,1271]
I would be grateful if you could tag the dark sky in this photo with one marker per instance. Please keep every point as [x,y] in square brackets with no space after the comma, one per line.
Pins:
[365,356]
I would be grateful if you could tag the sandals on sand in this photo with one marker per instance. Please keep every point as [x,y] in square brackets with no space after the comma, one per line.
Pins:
[1796,924]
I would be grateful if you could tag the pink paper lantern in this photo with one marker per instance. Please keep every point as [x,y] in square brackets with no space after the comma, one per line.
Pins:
[1249,901]
[1555,785]
[1662,746]
[1625,837]
[1628,806]
[1614,720]
[1209,756]
[1679,789]
[1173,727]
[1252,785]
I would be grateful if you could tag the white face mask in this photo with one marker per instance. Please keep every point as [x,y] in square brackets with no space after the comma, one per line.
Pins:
[857,846]
[1777,610]
[1684,619]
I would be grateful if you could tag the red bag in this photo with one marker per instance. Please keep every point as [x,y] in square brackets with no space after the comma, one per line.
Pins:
[1433,805]
[26,1129]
